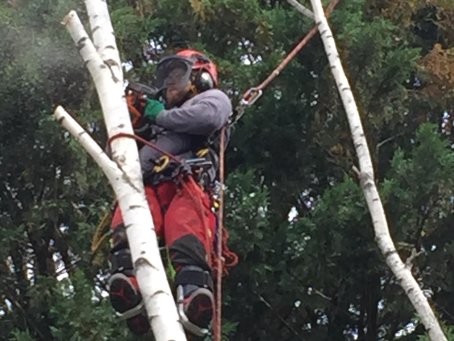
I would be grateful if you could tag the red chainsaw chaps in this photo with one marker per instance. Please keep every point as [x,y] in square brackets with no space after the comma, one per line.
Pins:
[179,210]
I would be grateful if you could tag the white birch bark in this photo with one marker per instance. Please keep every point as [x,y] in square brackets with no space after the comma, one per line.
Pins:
[382,235]
[300,8]
[123,170]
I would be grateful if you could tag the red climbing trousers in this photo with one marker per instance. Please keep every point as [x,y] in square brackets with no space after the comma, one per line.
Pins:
[183,220]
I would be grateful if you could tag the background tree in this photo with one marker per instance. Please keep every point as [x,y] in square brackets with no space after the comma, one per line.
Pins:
[316,276]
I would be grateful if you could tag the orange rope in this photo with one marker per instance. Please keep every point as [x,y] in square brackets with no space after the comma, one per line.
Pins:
[253,94]
[218,310]
[295,50]
[230,258]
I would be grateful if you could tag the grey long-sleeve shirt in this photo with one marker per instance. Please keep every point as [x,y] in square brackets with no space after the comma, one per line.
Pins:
[185,128]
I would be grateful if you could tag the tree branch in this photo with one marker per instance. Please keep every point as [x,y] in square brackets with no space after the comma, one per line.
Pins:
[382,235]
[123,170]
[300,8]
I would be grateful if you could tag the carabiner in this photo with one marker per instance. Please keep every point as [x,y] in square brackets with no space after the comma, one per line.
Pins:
[251,96]
[161,164]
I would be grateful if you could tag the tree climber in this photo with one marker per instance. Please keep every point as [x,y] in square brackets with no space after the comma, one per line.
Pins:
[180,196]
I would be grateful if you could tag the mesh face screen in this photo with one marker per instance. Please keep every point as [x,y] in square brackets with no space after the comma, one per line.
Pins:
[173,72]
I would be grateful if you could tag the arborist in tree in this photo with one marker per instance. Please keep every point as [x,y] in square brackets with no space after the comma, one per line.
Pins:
[180,194]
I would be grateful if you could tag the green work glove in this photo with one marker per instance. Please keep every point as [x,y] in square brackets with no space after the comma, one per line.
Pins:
[152,109]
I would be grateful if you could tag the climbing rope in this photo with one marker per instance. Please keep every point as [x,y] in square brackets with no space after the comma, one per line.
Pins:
[218,307]
[148,143]
[254,93]
[247,100]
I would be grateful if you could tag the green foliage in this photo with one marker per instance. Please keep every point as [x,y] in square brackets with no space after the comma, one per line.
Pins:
[131,32]
[21,336]
[46,192]
[429,201]
[82,314]
[246,210]
[317,276]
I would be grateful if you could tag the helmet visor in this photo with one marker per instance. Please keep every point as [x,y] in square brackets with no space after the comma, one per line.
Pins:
[173,72]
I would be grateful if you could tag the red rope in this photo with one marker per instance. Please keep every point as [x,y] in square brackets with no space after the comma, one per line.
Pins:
[219,260]
[230,258]
[295,50]
[145,142]
[253,94]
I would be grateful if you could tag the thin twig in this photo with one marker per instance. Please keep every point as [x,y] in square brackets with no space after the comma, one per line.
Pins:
[412,257]
[269,306]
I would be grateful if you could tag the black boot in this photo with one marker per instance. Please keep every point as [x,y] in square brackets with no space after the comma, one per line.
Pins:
[195,299]
[124,293]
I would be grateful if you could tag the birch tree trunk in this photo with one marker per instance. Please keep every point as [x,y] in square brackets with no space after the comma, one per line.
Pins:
[123,171]
[382,235]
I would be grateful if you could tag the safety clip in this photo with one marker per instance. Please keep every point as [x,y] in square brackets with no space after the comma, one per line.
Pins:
[251,96]
[161,164]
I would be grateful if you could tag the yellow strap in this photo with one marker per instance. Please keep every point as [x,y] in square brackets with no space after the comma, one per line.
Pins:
[101,234]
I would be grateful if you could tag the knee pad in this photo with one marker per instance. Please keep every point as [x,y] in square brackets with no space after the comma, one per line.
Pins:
[188,250]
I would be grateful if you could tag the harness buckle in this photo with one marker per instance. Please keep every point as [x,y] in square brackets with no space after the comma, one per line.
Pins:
[199,164]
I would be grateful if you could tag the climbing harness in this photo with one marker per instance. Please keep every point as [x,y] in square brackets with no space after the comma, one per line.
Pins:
[161,164]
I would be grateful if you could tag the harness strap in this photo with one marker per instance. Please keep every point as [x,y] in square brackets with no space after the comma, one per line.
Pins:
[121,261]
[194,275]
[202,167]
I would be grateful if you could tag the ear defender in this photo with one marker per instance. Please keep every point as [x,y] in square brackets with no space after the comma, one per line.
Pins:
[202,81]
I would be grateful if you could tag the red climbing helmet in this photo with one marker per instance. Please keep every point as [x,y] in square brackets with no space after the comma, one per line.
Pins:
[186,65]
[201,63]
